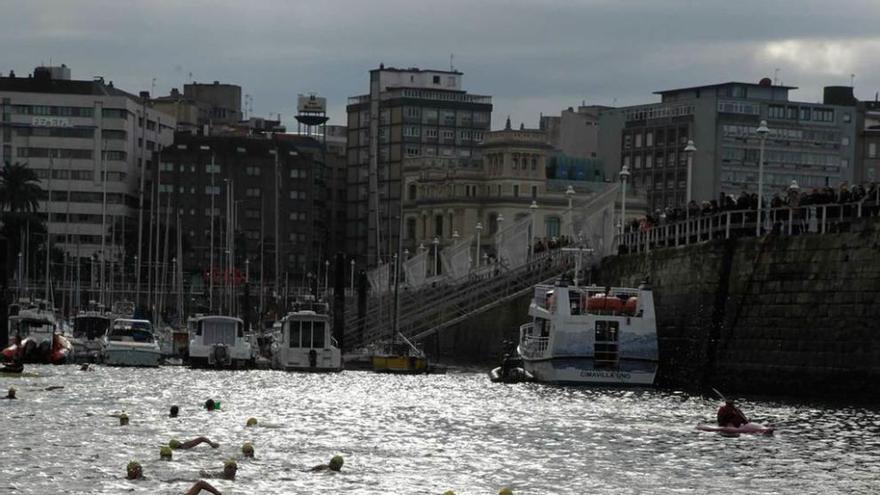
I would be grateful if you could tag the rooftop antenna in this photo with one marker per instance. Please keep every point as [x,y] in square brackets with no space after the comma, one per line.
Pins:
[451,58]
[153,88]
[852,80]
[190,77]
[776,76]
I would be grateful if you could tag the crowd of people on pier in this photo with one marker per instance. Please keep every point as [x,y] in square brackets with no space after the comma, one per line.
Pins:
[793,197]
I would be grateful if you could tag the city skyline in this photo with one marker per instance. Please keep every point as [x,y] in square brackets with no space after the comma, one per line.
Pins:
[532,57]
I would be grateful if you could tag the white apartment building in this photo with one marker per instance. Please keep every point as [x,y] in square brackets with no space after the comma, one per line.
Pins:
[89,143]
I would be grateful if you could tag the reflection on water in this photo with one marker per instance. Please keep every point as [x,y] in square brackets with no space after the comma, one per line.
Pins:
[414,434]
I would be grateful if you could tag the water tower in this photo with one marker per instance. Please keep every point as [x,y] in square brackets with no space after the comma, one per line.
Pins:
[311,113]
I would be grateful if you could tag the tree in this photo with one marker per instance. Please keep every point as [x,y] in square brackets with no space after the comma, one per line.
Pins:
[20,194]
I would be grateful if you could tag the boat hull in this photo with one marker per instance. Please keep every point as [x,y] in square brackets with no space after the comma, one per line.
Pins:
[581,370]
[132,356]
[400,364]
[323,360]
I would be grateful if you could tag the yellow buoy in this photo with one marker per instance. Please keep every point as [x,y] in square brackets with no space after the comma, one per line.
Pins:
[505,491]
[252,422]
[165,453]
[336,463]
[123,419]
[247,449]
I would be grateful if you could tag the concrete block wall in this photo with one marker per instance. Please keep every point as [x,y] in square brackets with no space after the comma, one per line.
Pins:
[793,315]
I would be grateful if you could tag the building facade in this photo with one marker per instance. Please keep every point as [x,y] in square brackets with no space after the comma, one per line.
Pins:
[575,132]
[88,142]
[812,144]
[446,199]
[218,104]
[408,114]
[269,196]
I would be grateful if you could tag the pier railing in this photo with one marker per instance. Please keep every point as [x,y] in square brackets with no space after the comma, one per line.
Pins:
[807,219]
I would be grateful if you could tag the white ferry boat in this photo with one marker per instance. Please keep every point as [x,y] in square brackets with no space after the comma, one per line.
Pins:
[131,342]
[590,335]
[306,342]
[218,342]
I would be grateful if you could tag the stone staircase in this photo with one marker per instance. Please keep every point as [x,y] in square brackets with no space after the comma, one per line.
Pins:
[433,308]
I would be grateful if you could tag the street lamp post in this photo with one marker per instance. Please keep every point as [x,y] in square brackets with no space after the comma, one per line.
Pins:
[436,242]
[326,275]
[569,192]
[247,270]
[352,275]
[689,149]
[532,208]
[479,229]
[762,131]
[624,176]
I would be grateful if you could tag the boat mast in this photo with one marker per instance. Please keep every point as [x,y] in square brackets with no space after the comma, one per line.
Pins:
[211,254]
[48,295]
[140,234]
[178,276]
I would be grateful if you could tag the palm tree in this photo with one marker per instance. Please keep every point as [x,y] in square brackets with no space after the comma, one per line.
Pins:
[20,193]
[19,189]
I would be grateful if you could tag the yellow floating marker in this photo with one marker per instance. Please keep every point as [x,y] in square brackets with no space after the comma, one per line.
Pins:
[505,491]
[123,419]
[336,463]
[252,422]
[134,470]
[247,449]
[165,453]
[449,492]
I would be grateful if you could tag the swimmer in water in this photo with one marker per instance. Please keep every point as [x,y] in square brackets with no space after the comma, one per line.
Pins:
[202,485]
[209,404]
[173,412]
[192,443]
[85,367]
[230,467]
[335,465]
[10,394]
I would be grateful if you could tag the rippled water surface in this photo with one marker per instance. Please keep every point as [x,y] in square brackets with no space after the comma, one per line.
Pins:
[414,434]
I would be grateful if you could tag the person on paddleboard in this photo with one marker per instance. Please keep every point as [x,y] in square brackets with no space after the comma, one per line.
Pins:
[730,415]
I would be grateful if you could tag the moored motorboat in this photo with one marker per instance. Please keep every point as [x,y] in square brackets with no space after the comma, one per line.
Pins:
[131,342]
[306,341]
[218,342]
[34,331]
[590,335]
[89,326]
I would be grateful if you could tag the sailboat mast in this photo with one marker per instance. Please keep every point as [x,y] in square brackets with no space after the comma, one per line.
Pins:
[48,296]
[103,216]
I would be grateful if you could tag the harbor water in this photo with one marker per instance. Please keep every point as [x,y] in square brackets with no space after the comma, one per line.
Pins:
[413,435]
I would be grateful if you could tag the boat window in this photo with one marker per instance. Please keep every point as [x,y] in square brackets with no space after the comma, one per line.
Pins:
[605,347]
[294,334]
[606,331]
[219,331]
[240,329]
[199,327]
[540,327]
[318,334]
[306,334]
[574,302]
[130,334]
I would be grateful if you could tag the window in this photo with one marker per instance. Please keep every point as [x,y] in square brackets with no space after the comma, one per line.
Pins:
[252,192]
[252,170]
[294,333]
[516,190]
[436,79]
[166,167]
[552,227]
[412,151]
[638,140]
[431,133]
[208,212]
[438,225]
[411,192]
[534,192]
[872,150]
[414,112]
[212,190]
[805,113]
[252,213]
[297,195]
[847,117]
[844,141]
[297,174]
[411,131]
[410,228]
[776,112]
[297,215]
[649,139]
[212,169]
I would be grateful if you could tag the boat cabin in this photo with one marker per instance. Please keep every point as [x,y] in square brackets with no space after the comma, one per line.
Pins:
[218,341]
[127,330]
[307,343]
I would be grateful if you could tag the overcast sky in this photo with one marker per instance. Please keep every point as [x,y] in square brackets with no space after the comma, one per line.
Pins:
[531,56]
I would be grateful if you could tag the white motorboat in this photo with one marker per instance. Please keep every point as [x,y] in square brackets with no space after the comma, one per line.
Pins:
[306,342]
[218,342]
[590,335]
[88,329]
[130,342]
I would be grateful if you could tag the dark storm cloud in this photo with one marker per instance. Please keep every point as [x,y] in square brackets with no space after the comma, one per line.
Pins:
[532,56]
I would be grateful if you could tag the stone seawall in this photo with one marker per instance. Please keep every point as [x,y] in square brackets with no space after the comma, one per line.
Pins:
[784,315]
